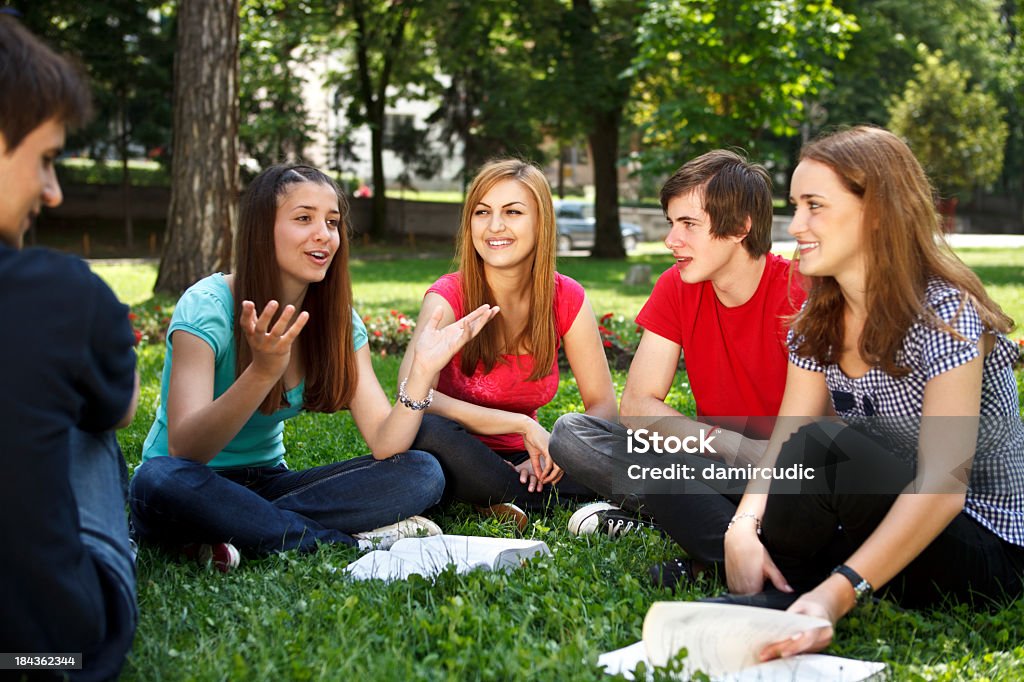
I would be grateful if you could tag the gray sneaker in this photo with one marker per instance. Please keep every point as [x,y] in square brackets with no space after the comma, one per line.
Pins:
[607,519]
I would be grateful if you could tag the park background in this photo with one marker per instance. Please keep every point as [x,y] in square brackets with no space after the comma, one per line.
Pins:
[405,98]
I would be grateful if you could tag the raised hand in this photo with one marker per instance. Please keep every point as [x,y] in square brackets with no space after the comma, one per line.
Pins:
[271,345]
[436,346]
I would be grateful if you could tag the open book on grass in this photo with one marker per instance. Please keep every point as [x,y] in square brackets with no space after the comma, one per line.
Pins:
[430,556]
[723,641]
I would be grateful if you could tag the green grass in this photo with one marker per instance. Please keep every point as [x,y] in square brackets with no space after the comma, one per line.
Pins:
[296,617]
[143,173]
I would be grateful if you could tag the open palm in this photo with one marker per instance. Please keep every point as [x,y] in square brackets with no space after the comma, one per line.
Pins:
[436,345]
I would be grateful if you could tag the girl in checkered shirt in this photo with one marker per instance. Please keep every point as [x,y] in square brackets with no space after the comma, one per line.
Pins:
[918,491]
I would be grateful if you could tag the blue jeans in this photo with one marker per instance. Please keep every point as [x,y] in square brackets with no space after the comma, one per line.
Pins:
[69,569]
[99,480]
[478,475]
[272,509]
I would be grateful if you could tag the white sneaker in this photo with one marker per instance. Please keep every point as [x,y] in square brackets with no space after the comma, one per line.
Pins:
[385,536]
[607,519]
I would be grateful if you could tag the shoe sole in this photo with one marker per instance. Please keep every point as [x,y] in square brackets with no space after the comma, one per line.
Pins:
[506,512]
[581,515]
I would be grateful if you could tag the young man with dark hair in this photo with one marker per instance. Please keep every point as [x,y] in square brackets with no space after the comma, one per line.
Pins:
[723,306]
[67,582]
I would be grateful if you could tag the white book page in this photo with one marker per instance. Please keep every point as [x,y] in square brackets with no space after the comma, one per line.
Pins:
[429,556]
[802,668]
[624,661]
[805,668]
[720,638]
[467,552]
[808,668]
[381,565]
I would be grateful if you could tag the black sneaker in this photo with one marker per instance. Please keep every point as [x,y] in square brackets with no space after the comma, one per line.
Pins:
[672,573]
[607,519]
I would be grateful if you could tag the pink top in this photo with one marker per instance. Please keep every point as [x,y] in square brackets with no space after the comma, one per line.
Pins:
[505,387]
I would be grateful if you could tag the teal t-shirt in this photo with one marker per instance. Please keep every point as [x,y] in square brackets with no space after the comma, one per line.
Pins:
[206,310]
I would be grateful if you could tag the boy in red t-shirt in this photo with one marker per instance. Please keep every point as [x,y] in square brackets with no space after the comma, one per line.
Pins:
[724,306]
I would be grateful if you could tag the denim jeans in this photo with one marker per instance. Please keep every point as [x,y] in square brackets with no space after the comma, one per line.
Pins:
[593,451]
[99,480]
[70,566]
[271,509]
[479,476]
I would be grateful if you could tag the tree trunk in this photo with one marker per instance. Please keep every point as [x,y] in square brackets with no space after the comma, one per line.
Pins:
[604,153]
[561,172]
[379,205]
[204,171]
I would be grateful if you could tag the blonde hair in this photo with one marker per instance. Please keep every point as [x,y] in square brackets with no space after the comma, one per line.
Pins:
[539,336]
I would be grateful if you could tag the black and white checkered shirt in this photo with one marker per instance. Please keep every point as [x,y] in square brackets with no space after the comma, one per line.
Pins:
[891,407]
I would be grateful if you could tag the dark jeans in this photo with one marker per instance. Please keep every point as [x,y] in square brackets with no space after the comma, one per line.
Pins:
[811,526]
[271,509]
[593,451]
[74,578]
[808,534]
[479,476]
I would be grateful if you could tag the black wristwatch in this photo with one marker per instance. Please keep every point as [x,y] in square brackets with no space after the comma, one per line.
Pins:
[861,588]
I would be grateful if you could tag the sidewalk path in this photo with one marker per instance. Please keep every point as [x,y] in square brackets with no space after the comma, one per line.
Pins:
[957,241]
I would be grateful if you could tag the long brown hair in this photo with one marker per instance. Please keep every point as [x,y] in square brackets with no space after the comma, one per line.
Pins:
[904,247]
[326,340]
[539,336]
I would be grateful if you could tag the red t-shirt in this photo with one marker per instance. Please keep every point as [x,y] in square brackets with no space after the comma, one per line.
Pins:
[506,387]
[735,357]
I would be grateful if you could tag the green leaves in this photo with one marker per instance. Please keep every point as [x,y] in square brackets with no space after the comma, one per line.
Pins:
[957,132]
[716,73]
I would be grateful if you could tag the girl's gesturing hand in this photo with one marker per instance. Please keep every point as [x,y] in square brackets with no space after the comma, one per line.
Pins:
[271,346]
[436,346]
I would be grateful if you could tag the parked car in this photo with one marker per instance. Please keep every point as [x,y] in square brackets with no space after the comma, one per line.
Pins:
[575,222]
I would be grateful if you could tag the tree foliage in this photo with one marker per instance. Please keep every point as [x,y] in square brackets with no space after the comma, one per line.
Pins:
[715,73]
[491,97]
[956,130]
[384,58]
[586,47]
[883,53]
[277,37]
[126,48]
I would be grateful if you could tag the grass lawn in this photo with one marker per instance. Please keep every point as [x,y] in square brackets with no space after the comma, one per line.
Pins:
[296,617]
